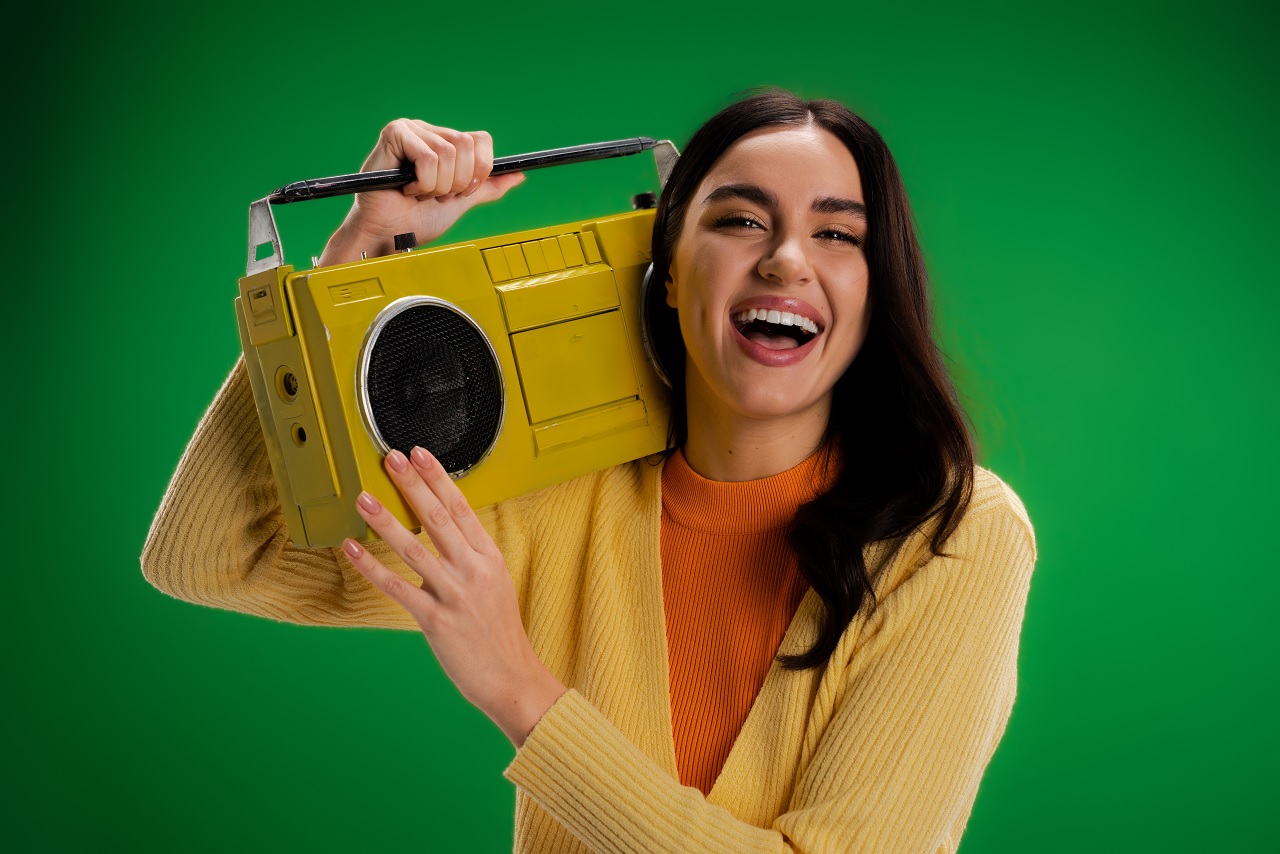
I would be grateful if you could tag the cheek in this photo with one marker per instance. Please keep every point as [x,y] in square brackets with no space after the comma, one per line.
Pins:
[864,307]
[856,302]
[690,288]
[681,276]
[673,293]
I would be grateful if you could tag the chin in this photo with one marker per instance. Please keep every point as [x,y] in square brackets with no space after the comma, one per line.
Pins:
[765,405]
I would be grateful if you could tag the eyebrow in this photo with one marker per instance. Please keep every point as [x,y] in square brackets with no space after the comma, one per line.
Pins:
[764,198]
[834,205]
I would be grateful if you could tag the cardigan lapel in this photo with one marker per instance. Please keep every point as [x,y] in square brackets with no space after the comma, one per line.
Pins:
[779,734]
[624,642]
[753,783]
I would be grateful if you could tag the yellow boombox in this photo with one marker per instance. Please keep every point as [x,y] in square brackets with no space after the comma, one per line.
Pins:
[519,361]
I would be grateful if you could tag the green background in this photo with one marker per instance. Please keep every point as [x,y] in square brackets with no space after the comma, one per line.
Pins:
[1095,184]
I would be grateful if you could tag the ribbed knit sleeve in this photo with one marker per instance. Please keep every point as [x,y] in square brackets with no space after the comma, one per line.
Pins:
[586,774]
[922,697]
[219,537]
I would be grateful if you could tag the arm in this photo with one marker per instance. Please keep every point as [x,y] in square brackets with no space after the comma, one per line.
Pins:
[219,537]
[452,168]
[922,702]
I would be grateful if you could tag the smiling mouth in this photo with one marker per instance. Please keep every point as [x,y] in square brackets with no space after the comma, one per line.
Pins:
[776,330]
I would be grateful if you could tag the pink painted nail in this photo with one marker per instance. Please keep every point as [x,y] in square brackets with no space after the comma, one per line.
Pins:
[368,503]
[352,548]
[396,460]
[420,457]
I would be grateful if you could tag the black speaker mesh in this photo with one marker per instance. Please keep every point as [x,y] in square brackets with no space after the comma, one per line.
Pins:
[432,381]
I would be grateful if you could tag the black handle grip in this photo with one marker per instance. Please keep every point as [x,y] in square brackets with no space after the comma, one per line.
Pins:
[394,179]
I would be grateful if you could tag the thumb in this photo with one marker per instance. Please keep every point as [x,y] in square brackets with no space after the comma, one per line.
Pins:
[496,187]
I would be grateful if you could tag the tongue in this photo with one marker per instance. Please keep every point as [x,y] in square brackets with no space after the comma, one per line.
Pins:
[773,342]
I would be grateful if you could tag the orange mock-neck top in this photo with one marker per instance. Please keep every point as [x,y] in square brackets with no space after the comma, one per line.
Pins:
[730,586]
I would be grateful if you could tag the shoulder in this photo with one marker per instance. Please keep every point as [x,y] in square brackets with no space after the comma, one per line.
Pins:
[617,491]
[993,543]
[995,506]
[548,537]
[633,480]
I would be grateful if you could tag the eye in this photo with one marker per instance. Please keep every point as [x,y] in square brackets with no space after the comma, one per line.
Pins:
[738,221]
[839,235]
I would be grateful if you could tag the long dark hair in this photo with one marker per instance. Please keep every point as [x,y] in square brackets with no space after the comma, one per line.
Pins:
[900,433]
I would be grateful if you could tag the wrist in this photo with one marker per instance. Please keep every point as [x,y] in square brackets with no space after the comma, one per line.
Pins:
[520,713]
[350,240]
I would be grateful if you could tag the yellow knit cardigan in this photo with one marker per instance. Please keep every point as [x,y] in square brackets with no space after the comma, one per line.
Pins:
[880,750]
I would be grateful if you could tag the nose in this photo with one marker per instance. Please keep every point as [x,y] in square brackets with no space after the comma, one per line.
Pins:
[785,261]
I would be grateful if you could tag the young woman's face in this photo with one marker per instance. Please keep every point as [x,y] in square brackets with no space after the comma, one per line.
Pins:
[769,275]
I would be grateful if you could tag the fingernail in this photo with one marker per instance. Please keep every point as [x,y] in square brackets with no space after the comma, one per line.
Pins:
[420,457]
[396,460]
[368,503]
[352,548]
[472,187]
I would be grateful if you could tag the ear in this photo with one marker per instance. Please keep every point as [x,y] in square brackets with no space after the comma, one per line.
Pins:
[672,294]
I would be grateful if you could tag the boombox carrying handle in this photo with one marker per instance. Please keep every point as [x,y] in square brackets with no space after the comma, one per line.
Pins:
[262,231]
[262,223]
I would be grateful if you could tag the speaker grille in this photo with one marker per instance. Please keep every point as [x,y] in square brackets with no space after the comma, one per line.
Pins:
[430,377]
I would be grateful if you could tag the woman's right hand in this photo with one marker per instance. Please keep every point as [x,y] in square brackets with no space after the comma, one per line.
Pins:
[452,170]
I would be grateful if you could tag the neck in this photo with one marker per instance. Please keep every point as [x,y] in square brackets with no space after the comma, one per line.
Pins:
[730,447]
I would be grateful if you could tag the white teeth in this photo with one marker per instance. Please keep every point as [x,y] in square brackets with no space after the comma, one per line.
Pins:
[781,318]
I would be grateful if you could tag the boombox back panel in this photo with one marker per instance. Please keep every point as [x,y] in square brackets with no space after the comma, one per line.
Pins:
[516,360]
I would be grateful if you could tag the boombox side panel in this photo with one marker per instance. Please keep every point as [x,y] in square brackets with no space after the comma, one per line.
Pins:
[330,516]
[290,392]
[266,419]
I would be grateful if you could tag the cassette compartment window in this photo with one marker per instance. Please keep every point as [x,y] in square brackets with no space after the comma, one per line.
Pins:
[573,366]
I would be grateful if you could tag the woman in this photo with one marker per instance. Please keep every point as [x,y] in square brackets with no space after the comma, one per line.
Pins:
[800,632]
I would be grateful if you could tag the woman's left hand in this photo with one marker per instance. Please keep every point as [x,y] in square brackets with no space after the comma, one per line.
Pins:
[467,606]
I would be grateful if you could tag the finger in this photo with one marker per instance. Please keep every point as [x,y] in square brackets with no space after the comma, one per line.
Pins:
[418,602]
[426,165]
[483,160]
[403,542]
[464,145]
[388,151]
[439,141]
[436,519]
[452,499]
